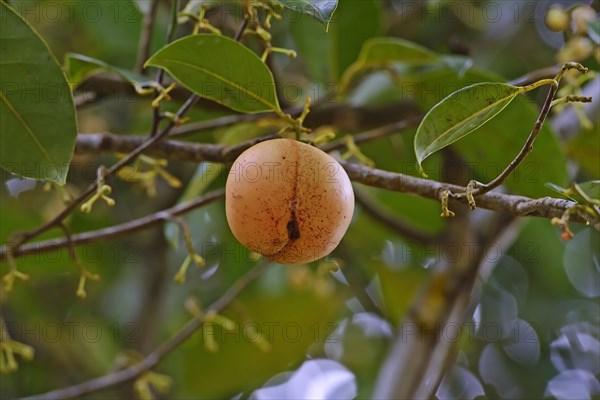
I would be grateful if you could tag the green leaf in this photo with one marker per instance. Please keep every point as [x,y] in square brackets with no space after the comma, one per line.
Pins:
[79,67]
[498,141]
[383,52]
[404,56]
[459,114]
[591,188]
[37,116]
[594,30]
[355,23]
[321,10]
[582,262]
[587,193]
[387,49]
[312,45]
[220,69]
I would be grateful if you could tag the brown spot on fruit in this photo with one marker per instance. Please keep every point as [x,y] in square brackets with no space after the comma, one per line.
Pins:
[292,212]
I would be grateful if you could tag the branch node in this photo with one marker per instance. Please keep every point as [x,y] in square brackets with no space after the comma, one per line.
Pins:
[8,280]
[163,95]
[102,192]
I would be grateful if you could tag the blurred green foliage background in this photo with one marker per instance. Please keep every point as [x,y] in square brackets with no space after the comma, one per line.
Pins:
[540,288]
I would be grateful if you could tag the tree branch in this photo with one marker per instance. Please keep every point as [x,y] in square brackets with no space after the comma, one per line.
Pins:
[159,353]
[155,137]
[112,232]
[546,207]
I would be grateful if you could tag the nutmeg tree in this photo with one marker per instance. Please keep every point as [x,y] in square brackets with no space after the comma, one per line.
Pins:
[299,199]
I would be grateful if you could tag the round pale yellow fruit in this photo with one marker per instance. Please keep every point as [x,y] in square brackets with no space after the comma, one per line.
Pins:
[288,201]
[557,19]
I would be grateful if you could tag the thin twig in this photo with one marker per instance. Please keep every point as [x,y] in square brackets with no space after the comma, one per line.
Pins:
[240,32]
[152,359]
[171,149]
[228,120]
[112,232]
[525,150]
[160,74]
[528,146]
[146,37]
[534,76]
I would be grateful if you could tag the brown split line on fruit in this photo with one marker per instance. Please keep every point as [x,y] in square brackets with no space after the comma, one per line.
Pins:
[283,202]
[292,225]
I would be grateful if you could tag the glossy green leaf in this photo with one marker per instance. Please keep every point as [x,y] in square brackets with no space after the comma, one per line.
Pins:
[459,114]
[498,141]
[37,116]
[321,10]
[355,22]
[79,67]
[220,69]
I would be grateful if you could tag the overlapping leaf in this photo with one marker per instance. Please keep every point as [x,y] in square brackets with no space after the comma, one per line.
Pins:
[37,116]
[79,67]
[220,69]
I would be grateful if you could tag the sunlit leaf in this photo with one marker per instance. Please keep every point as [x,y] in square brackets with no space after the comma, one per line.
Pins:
[460,114]
[37,116]
[79,67]
[321,10]
[220,69]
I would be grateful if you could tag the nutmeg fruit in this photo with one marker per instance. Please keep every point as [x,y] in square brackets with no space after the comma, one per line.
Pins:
[288,201]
